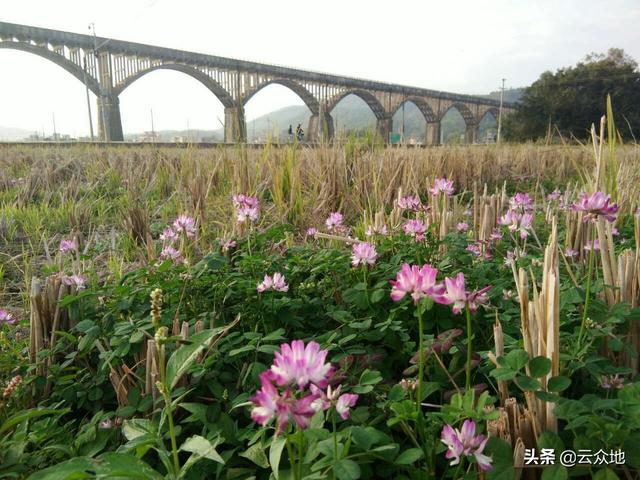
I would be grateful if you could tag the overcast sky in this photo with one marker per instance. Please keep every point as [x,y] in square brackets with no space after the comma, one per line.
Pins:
[463,46]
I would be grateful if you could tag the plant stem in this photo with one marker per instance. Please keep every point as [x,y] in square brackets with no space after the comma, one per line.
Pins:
[167,406]
[420,421]
[300,450]
[292,459]
[335,442]
[469,349]
[588,291]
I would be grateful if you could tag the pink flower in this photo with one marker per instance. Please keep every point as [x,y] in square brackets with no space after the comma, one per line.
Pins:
[596,204]
[462,227]
[467,443]
[457,296]
[276,282]
[455,293]
[77,281]
[521,202]
[373,230]
[185,224]
[168,236]
[612,381]
[419,282]
[247,208]
[415,228]
[410,203]
[324,401]
[510,258]
[269,403]
[334,221]
[442,185]
[474,248]
[344,403]
[477,298]
[228,245]
[595,245]
[67,246]
[496,235]
[554,196]
[298,365]
[170,253]
[311,231]
[6,317]
[517,222]
[363,253]
[570,252]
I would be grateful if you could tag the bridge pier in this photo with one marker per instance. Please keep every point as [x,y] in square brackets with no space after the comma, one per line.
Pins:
[471,133]
[432,135]
[384,127]
[109,122]
[235,127]
[320,127]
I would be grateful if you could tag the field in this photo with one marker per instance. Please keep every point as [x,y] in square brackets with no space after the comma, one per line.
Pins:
[340,312]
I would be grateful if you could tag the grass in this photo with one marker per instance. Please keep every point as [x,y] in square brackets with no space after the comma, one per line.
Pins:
[116,198]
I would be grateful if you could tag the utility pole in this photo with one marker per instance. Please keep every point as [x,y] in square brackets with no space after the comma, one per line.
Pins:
[500,111]
[55,134]
[86,87]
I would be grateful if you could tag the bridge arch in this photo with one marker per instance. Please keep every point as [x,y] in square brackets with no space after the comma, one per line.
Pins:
[423,106]
[307,97]
[466,113]
[213,86]
[494,112]
[369,98]
[59,60]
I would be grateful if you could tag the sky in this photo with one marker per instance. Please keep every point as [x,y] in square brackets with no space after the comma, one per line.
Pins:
[463,46]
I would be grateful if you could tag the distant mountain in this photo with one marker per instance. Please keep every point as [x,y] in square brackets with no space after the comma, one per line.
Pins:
[510,94]
[10,134]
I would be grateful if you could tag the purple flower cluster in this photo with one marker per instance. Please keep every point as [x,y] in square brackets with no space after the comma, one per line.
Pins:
[465,442]
[594,205]
[247,208]
[6,317]
[296,386]
[420,282]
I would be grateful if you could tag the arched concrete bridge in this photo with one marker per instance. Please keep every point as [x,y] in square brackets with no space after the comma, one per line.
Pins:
[109,66]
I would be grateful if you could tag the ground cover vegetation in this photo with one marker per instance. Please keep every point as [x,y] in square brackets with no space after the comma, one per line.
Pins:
[337,312]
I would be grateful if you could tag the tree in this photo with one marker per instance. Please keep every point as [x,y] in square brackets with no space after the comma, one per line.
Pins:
[573,98]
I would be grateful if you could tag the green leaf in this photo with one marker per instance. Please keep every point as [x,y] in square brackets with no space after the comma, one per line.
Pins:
[517,359]
[605,474]
[347,470]
[29,414]
[110,465]
[275,452]
[502,455]
[527,383]
[539,366]
[370,377]
[503,373]
[555,472]
[202,447]
[409,456]
[256,454]
[378,295]
[183,357]
[558,384]
[547,397]
[137,427]
[75,468]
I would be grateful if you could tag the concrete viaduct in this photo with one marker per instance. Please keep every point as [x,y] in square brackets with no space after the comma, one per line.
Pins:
[109,66]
